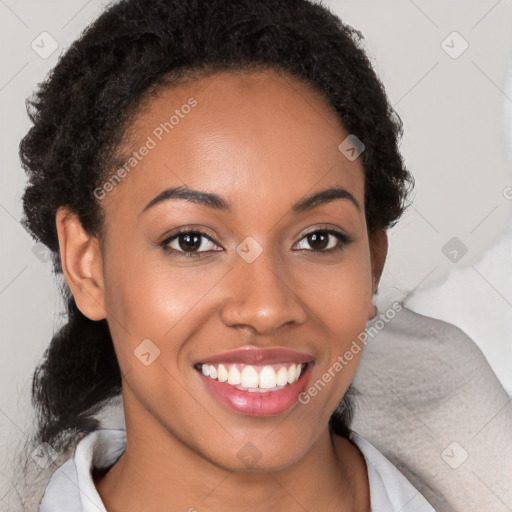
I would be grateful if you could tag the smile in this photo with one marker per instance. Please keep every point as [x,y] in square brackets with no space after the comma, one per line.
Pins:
[256,382]
[254,378]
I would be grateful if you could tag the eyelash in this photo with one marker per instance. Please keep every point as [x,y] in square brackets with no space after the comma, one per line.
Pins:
[342,238]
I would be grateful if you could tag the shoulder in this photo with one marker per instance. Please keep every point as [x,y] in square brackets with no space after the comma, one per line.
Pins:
[71,487]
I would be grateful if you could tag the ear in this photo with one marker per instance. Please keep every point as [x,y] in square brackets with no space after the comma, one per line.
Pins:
[82,264]
[378,252]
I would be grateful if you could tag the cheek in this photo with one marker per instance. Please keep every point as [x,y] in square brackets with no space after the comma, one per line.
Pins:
[342,308]
[345,301]
[341,301]
[148,297]
[341,295]
[151,311]
[150,294]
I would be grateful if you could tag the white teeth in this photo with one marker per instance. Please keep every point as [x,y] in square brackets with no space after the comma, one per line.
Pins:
[268,378]
[291,374]
[254,379]
[234,376]
[222,373]
[249,377]
[282,376]
[294,372]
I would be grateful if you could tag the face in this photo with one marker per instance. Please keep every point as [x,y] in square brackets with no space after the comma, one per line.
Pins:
[235,268]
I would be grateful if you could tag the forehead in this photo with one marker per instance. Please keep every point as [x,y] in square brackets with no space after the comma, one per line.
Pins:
[260,137]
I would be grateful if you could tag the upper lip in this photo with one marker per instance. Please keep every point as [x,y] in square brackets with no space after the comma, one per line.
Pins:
[254,356]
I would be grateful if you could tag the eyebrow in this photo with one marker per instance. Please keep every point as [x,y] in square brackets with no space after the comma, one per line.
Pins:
[216,202]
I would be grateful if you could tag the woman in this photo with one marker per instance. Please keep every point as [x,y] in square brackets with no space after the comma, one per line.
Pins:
[215,180]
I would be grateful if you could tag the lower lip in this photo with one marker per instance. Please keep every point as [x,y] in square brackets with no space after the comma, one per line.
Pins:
[256,403]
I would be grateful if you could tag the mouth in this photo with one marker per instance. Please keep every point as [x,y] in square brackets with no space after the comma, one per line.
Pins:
[256,382]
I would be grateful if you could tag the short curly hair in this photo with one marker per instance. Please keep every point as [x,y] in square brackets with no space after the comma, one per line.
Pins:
[82,110]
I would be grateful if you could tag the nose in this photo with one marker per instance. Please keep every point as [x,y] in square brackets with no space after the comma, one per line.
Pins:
[261,297]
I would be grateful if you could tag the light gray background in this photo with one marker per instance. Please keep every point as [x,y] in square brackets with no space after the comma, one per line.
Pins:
[457,114]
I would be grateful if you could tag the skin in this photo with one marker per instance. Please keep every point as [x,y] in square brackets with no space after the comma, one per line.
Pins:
[262,141]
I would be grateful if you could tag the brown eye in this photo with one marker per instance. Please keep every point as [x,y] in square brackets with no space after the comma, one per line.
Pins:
[324,241]
[189,243]
[318,240]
